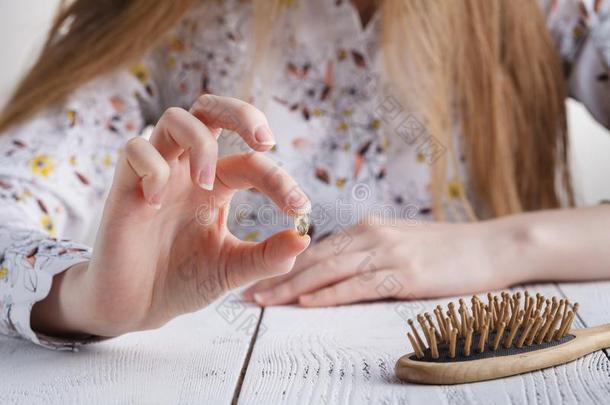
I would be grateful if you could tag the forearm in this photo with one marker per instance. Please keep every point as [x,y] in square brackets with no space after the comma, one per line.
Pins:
[556,245]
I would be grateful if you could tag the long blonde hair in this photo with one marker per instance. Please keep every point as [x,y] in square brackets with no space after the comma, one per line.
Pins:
[488,64]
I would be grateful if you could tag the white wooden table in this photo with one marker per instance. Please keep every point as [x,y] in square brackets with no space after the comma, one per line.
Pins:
[233,352]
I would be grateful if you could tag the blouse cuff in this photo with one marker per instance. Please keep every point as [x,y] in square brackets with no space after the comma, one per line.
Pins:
[30,261]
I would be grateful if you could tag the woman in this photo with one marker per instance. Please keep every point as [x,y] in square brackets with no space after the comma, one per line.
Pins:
[387,113]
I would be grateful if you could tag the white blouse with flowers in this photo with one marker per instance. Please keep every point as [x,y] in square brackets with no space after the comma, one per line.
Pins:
[323,107]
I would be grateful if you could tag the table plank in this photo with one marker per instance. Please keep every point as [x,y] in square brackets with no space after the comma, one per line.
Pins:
[196,358]
[594,299]
[347,355]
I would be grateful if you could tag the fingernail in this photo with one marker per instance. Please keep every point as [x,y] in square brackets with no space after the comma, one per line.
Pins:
[206,177]
[299,201]
[262,298]
[305,298]
[263,136]
[305,208]
[247,294]
[155,201]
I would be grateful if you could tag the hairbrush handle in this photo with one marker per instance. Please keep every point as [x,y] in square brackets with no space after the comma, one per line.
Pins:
[597,337]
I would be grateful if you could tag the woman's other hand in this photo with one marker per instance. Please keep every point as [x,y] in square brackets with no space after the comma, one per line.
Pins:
[403,261]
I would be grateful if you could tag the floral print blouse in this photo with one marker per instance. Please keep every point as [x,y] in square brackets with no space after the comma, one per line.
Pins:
[323,106]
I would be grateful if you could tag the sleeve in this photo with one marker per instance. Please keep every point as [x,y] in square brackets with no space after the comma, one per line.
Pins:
[54,170]
[581,30]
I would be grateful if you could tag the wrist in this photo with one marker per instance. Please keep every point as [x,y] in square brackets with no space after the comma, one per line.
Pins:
[63,312]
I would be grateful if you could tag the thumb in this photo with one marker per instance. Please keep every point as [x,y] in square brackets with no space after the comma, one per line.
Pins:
[273,256]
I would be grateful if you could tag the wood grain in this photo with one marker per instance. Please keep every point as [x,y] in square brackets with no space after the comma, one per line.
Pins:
[196,358]
[347,354]
[594,298]
[332,355]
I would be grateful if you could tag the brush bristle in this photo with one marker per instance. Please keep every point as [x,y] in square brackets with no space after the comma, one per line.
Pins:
[505,321]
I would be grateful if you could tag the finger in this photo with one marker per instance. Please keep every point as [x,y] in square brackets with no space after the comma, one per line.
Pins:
[255,170]
[269,283]
[140,167]
[235,115]
[346,241]
[381,284]
[342,241]
[320,275]
[273,256]
[178,131]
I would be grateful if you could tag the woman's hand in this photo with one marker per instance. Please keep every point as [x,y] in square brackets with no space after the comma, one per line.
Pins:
[163,248]
[403,261]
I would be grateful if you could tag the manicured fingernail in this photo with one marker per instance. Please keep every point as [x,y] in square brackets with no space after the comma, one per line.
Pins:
[155,201]
[305,208]
[206,177]
[263,136]
[299,201]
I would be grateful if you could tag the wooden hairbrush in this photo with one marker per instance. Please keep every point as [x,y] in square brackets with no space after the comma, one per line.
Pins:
[496,339]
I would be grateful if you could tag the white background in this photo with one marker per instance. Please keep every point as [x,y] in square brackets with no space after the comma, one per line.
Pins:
[23,26]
